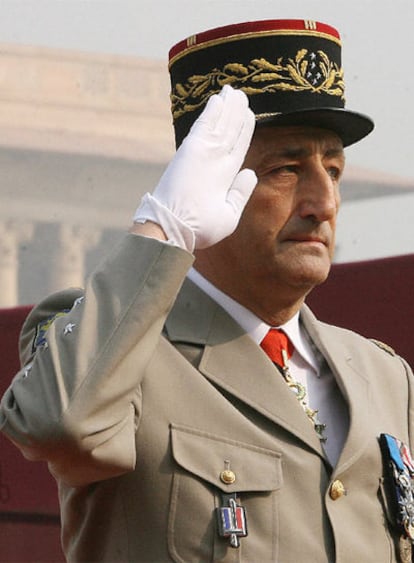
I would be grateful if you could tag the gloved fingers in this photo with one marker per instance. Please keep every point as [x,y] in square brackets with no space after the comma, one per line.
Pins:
[224,118]
[241,144]
[210,115]
[241,189]
[233,117]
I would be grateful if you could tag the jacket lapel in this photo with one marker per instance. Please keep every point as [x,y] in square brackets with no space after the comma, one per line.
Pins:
[232,361]
[352,382]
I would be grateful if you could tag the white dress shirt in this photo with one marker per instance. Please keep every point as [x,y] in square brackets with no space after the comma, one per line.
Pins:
[322,391]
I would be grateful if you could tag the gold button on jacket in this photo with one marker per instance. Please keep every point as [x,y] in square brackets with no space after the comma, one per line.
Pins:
[337,490]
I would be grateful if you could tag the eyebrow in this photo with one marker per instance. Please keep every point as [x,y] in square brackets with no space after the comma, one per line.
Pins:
[335,151]
[299,152]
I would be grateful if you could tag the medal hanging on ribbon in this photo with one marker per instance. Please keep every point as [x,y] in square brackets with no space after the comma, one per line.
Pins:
[399,475]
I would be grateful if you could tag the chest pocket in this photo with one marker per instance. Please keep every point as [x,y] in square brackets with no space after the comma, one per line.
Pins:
[198,483]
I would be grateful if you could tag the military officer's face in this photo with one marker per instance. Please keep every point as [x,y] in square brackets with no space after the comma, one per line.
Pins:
[287,231]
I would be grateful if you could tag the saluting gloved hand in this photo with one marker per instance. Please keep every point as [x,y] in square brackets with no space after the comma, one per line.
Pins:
[202,193]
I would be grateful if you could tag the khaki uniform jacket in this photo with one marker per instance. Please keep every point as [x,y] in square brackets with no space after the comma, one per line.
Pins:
[137,426]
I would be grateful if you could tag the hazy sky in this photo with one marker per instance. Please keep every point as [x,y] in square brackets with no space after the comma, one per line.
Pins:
[377,48]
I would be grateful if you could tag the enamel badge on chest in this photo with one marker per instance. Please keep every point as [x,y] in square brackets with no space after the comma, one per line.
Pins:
[231,519]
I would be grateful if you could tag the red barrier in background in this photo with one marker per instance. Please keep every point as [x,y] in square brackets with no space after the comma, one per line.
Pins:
[29,511]
[375,298]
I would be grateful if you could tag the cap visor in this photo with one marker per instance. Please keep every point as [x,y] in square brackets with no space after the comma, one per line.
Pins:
[350,126]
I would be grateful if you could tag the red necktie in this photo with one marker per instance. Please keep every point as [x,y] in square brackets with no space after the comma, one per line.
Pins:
[274,342]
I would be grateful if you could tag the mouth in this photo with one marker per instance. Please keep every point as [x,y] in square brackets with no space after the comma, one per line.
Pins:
[308,239]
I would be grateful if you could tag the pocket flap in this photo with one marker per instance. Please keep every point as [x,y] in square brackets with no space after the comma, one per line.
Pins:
[207,455]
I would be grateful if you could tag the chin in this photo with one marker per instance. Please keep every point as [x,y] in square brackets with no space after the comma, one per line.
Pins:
[309,276]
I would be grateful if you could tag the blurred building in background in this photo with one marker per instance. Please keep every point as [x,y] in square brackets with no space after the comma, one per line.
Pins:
[82,137]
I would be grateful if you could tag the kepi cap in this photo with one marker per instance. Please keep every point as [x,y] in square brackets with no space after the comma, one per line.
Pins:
[290,70]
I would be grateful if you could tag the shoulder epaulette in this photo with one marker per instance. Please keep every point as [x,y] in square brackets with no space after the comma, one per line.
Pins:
[384,347]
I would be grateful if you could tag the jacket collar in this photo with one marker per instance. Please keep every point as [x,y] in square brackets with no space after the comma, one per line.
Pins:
[232,361]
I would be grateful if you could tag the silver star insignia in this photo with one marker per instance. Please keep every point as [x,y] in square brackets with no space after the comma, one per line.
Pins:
[68,328]
[78,301]
[27,370]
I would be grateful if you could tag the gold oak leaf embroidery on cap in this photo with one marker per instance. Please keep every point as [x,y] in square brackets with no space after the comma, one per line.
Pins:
[307,71]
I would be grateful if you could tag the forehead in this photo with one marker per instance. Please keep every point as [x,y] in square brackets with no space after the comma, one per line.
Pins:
[295,140]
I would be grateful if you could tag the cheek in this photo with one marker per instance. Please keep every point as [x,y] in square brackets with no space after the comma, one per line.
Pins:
[334,219]
[270,207]
[337,197]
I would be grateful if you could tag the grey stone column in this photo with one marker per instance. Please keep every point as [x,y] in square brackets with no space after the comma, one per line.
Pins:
[69,266]
[12,234]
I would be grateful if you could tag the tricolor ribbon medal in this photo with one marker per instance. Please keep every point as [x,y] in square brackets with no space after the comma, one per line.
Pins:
[399,475]
[231,520]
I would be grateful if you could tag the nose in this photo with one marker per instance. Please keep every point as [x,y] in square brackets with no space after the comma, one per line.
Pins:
[319,195]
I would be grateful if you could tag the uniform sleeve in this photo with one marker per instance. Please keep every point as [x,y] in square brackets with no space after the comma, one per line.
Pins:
[76,401]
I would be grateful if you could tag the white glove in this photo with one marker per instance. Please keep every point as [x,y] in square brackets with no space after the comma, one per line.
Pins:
[201,195]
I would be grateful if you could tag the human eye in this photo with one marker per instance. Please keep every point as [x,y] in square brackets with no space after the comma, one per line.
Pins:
[334,165]
[283,170]
[334,172]
[289,168]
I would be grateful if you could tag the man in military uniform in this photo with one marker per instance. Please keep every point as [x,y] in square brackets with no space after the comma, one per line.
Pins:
[200,412]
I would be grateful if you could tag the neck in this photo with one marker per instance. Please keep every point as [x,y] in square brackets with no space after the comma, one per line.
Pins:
[278,307]
[274,314]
